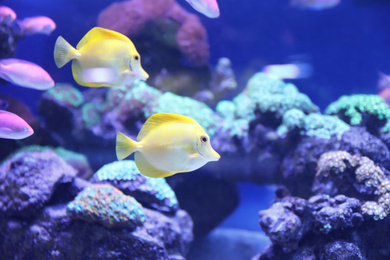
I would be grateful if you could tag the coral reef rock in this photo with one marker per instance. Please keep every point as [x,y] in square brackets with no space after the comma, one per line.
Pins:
[49,213]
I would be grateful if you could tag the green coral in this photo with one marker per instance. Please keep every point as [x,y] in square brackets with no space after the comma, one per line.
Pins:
[128,99]
[108,206]
[352,108]
[262,95]
[90,114]
[314,124]
[234,126]
[126,170]
[366,172]
[67,94]
[270,95]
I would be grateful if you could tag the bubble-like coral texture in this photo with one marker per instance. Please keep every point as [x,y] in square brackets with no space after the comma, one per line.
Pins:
[67,94]
[151,192]
[108,206]
[313,124]
[262,96]
[366,173]
[362,110]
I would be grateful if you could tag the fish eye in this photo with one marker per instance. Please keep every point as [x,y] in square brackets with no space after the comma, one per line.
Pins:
[25,129]
[203,138]
[136,57]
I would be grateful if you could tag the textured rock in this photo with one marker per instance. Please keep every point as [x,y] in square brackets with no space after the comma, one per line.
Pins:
[53,235]
[28,181]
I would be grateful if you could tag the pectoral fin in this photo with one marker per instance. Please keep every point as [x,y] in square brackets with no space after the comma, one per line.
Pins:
[147,169]
[193,155]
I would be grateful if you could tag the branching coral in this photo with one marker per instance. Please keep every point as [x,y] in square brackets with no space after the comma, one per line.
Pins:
[108,206]
[366,172]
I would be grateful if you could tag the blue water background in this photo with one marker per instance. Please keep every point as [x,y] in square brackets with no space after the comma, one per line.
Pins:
[346,45]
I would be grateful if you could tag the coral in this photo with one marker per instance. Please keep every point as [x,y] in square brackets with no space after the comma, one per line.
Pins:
[108,206]
[268,95]
[67,94]
[358,140]
[223,77]
[133,100]
[317,125]
[151,192]
[54,235]
[28,180]
[90,114]
[368,110]
[266,98]
[366,173]
[183,30]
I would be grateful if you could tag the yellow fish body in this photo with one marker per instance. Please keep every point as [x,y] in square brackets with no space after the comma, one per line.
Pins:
[102,58]
[168,144]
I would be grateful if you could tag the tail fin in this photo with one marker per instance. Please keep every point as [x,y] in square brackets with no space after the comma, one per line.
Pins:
[125,146]
[63,52]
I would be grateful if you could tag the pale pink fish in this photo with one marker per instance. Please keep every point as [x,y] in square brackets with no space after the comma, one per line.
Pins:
[383,81]
[7,15]
[207,7]
[37,24]
[316,5]
[288,71]
[13,126]
[385,94]
[25,74]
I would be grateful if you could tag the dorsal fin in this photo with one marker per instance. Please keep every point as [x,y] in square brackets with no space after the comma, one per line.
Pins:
[162,118]
[98,33]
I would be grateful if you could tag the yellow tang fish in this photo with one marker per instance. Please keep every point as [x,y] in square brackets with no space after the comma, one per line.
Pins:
[102,58]
[168,144]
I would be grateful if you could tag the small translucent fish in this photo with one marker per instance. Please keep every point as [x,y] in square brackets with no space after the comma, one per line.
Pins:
[207,7]
[103,58]
[13,126]
[25,74]
[7,15]
[288,71]
[168,144]
[383,81]
[316,5]
[37,24]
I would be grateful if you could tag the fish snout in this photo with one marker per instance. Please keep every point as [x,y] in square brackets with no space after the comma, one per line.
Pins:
[214,156]
[143,75]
